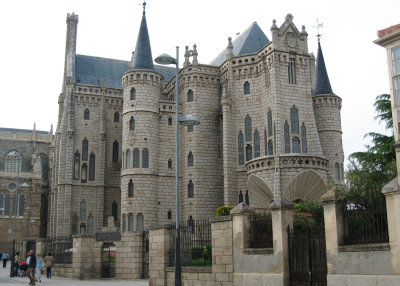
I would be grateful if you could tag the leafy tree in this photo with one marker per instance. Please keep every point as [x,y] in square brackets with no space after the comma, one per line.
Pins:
[370,170]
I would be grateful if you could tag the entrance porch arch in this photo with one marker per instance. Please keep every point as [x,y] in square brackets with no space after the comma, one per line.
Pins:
[306,186]
[260,193]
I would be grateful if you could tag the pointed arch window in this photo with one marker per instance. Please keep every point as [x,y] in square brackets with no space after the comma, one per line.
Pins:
[296,145]
[132,124]
[241,148]
[1,204]
[77,165]
[84,173]
[269,119]
[246,88]
[249,152]
[115,151]
[131,189]
[190,189]
[128,159]
[190,159]
[240,197]
[90,223]
[169,164]
[169,121]
[190,96]
[74,223]
[85,149]
[92,166]
[136,158]
[190,128]
[247,126]
[124,223]
[82,211]
[270,147]
[337,171]
[294,120]
[286,136]
[140,222]
[130,222]
[15,205]
[256,144]
[133,93]
[12,161]
[145,158]
[82,228]
[7,205]
[265,142]
[86,114]
[292,70]
[116,117]
[303,138]
[114,210]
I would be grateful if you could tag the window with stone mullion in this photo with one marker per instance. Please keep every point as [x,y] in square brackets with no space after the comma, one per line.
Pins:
[286,135]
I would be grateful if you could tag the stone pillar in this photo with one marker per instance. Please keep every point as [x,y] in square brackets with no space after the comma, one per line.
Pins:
[160,242]
[86,260]
[129,262]
[222,251]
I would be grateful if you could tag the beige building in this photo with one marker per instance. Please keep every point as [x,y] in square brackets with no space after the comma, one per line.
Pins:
[270,131]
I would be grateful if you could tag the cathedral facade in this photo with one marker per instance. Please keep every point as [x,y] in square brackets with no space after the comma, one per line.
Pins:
[269,133]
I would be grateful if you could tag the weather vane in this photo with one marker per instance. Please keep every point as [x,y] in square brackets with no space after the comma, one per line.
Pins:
[318,26]
[144,6]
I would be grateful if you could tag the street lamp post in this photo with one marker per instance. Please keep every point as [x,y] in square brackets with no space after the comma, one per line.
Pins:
[15,210]
[189,120]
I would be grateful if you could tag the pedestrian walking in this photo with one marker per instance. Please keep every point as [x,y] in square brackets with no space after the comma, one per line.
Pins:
[39,267]
[31,267]
[16,265]
[4,257]
[48,262]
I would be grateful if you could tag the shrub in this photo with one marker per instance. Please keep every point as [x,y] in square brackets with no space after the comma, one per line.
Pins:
[224,211]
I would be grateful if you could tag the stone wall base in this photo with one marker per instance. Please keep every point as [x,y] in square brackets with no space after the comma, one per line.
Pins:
[365,280]
[64,270]
[244,279]
[193,276]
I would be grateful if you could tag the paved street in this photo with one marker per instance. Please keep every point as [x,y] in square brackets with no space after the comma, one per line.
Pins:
[5,280]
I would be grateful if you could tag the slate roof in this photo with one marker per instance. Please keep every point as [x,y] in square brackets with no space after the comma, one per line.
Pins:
[322,84]
[23,130]
[250,41]
[95,70]
[142,58]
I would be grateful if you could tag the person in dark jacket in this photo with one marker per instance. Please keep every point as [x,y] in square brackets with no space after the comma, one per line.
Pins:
[31,267]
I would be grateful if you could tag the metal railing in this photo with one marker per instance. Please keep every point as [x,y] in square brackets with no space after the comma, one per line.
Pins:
[365,225]
[195,242]
[60,248]
[261,231]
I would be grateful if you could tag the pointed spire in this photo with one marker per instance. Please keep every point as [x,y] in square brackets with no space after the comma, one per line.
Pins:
[322,84]
[142,57]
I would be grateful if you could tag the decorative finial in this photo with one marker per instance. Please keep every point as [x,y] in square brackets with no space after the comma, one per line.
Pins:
[274,26]
[318,26]
[144,7]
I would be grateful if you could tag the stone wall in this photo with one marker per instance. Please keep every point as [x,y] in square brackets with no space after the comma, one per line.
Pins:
[191,276]
[129,261]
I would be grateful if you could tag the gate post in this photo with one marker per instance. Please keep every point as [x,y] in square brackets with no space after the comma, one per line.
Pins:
[282,216]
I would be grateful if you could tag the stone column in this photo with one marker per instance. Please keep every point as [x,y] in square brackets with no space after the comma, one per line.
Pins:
[160,242]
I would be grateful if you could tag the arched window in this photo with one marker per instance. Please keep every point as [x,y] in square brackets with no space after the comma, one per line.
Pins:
[114,210]
[170,121]
[77,165]
[246,88]
[303,138]
[190,189]
[86,114]
[337,171]
[116,117]
[240,197]
[270,147]
[74,222]
[85,148]
[130,222]
[190,128]
[241,148]
[265,142]
[296,145]
[131,189]
[124,223]
[84,173]
[12,161]
[190,96]
[90,222]
[292,71]
[294,119]
[269,115]
[286,136]
[82,228]
[1,204]
[132,124]
[249,152]
[169,164]
[145,158]
[136,158]
[256,144]
[82,211]
[247,198]
[133,93]
[247,128]
[128,159]
[140,222]
[7,205]
[92,166]
[115,151]
[190,159]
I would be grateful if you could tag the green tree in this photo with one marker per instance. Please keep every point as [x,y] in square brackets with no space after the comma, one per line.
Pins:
[370,170]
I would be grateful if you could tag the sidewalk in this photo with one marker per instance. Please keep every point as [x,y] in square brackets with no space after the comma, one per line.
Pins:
[5,280]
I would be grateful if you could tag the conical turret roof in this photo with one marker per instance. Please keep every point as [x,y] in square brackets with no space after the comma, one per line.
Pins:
[142,58]
[322,84]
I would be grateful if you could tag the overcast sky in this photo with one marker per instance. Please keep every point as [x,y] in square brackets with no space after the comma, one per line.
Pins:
[33,46]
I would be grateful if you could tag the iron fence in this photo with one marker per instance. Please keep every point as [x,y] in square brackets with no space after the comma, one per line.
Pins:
[365,225]
[195,243]
[60,248]
[261,231]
